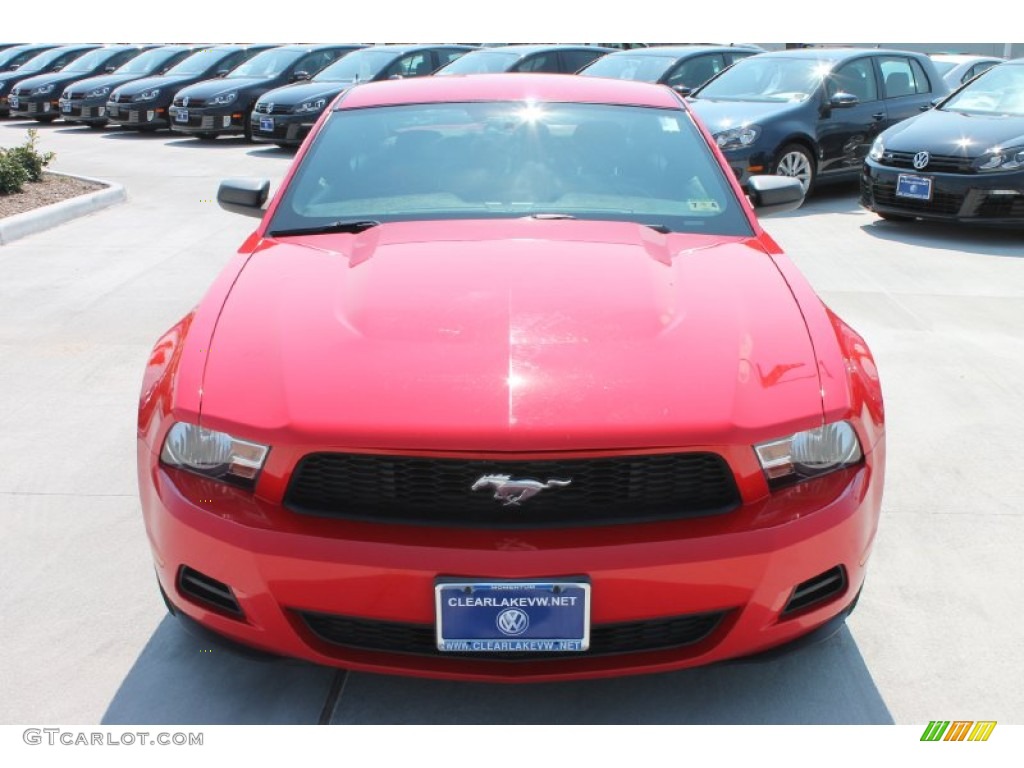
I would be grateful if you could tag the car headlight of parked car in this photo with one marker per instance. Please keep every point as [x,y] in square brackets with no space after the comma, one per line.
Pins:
[1001,159]
[42,90]
[877,149]
[737,138]
[96,93]
[809,453]
[311,106]
[212,454]
[224,98]
[146,95]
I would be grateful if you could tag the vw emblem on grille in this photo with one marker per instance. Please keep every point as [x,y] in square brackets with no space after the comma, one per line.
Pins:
[512,621]
[184,102]
[511,492]
[270,108]
[921,160]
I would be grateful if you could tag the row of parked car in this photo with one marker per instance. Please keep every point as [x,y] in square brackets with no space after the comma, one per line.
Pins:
[814,114]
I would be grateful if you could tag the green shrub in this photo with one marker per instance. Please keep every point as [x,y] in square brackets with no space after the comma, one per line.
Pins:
[12,174]
[30,158]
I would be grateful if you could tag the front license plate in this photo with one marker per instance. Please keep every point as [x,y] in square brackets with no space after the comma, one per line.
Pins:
[66,107]
[513,616]
[181,116]
[266,124]
[13,102]
[914,187]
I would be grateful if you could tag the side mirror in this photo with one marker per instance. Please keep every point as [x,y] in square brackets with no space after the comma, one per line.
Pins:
[244,196]
[842,100]
[682,90]
[300,76]
[774,194]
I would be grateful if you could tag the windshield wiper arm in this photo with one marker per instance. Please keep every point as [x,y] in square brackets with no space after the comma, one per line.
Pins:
[324,229]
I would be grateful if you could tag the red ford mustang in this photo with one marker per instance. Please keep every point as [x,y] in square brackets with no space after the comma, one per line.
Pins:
[510,384]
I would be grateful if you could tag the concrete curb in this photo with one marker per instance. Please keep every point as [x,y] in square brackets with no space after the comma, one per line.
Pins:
[28,223]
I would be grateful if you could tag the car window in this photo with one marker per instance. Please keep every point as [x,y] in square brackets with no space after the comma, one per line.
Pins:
[315,61]
[574,61]
[733,56]
[509,160]
[446,56]
[541,62]
[999,91]
[921,82]
[266,64]
[412,65]
[768,78]
[630,66]
[856,78]
[697,71]
[898,78]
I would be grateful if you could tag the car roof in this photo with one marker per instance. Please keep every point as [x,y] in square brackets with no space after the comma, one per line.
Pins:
[399,48]
[684,50]
[837,54]
[962,58]
[510,87]
[525,49]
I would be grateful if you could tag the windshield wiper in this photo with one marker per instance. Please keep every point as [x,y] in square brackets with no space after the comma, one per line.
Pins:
[325,229]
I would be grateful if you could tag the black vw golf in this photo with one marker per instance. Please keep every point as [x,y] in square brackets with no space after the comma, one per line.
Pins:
[813,113]
[86,100]
[142,104]
[285,115]
[962,161]
[37,96]
[48,60]
[220,107]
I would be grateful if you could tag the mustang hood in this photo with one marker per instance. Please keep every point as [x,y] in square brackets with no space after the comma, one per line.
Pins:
[510,335]
[943,132]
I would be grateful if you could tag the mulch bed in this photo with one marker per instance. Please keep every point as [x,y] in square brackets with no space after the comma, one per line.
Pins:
[52,189]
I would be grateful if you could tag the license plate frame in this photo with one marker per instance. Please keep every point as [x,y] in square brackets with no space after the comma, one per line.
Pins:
[181,116]
[914,187]
[267,124]
[489,616]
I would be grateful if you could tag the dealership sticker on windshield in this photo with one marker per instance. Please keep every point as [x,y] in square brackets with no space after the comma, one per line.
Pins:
[914,187]
[703,206]
[495,617]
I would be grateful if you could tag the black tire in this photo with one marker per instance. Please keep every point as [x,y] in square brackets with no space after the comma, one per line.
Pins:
[796,161]
[894,217]
[45,119]
[206,136]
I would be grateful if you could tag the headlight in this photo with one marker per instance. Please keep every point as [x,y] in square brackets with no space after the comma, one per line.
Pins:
[224,98]
[737,138]
[42,90]
[213,454]
[97,93]
[147,95]
[877,149]
[809,454]
[1001,159]
[311,106]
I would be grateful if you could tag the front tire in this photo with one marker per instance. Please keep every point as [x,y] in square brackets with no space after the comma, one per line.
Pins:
[795,161]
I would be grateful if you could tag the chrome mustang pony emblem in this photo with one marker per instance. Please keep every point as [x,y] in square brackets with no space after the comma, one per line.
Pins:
[511,492]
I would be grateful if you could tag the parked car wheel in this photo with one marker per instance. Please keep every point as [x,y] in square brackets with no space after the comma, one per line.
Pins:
[795,161]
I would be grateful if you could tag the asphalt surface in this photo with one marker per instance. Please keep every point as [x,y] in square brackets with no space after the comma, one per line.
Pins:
[84,635]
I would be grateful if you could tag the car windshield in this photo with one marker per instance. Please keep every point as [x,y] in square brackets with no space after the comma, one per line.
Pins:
[998,91]
[648,69]
[90,61]
[511,160]
[357,67]
[44,60]
[13,57]
[147,62]
[767,78]
[199,62]
[481,63]
[267,64]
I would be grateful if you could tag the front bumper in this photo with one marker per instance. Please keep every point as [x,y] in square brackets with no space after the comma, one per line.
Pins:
[220,121]
[34,107]
[283,568]
[996,198]
[281,129]
[92,111]
[138,114]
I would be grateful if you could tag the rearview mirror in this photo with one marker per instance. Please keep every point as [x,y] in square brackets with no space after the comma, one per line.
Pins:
[774,194]
[244,196]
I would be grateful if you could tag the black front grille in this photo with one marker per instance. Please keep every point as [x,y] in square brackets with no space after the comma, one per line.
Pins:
[208,592]
[75,95]
[124,98]
[193,101]
[936,163]
[270,108]
[432,491]
[816,591]
[605,639]
[941,203]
